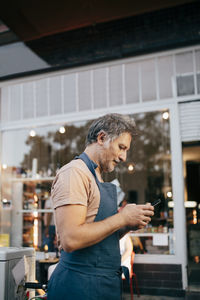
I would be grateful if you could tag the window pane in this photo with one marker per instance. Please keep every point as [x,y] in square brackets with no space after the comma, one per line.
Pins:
[145,177]
[165,73]
[185,85]
[55,107]
[132,83]
[198,83]
[197,56]
[148,80]
[115,85]
[24,156]
[5,101]
[41,98]
[100,88]
[84,88]
[28,100]
[184,63]
[69,91]
[15,100]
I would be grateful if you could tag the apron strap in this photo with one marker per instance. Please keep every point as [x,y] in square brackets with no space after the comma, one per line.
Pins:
[91,165]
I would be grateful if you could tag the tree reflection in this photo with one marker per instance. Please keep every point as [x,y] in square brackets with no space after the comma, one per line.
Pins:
[55,149]
[149,154]
[150,158]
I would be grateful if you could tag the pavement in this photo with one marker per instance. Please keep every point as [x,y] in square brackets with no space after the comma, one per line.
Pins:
[150,297]
[188,296]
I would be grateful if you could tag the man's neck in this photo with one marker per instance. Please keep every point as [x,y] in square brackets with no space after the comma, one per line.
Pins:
[92,153]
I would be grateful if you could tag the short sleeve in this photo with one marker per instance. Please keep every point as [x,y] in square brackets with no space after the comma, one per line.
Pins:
[72,186]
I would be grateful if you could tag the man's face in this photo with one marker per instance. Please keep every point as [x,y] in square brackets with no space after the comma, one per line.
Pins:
[114,152]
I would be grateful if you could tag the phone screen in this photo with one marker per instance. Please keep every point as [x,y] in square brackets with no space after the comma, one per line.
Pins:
[156,202]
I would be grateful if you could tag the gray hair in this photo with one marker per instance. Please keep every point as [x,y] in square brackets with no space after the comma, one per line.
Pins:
[113,125]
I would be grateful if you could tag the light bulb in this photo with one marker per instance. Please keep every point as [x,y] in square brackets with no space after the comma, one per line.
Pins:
[130,167]
[62,129]
[4,166]
[169,194]
[32,133]
[165,115]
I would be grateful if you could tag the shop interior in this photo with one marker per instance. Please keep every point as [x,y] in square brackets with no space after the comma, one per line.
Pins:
[191,161]
[27,178]
[27,218]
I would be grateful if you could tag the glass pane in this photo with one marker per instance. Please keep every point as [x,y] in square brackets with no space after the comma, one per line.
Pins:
[165,73]
[55,107]
[197,56]
[198,83]
[15,99]
[100,88]
[4,102]
[69,91]
[30,163]
[184,63]
[29,166]
[132,83]
[115,85]
[145,177]
[28,100]
[185,85]
[41,100]
[84,88]
[148,80]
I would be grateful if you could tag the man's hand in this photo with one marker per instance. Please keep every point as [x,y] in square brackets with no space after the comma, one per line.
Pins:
[75,233]
[137,216]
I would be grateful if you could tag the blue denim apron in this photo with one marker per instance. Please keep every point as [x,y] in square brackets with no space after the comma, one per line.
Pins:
[92,273]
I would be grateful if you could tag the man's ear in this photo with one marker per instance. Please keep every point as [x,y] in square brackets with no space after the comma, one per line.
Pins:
[101,138]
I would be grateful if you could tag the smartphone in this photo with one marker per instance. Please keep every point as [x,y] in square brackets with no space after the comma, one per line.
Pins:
[156,202]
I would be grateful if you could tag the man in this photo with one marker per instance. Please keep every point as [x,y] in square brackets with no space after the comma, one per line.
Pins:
[87,221]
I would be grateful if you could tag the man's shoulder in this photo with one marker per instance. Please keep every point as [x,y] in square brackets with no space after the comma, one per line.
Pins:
[76,165]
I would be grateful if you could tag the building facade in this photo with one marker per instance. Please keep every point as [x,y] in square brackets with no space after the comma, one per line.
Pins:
[44,119]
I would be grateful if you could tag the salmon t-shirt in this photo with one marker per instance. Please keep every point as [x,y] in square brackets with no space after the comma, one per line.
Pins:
[75,184]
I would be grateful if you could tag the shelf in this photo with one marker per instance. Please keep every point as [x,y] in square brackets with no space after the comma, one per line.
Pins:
[148,234]
[28,211]
[33,179]
[26,227]
[29,194]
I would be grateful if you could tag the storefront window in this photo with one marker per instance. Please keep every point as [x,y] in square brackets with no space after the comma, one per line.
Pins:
[146,177]
[32,157]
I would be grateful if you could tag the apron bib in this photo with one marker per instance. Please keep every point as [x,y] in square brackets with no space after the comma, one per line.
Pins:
[92,273]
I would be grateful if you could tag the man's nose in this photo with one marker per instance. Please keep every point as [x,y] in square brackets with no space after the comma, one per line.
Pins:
[123,156]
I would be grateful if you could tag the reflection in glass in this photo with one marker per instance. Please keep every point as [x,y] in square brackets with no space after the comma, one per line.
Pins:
[144,177]
[150,179]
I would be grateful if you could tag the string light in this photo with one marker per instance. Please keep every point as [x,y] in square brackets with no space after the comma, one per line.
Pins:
[169,194]
[32,133]
[131,167]
[4,166]
[165,115]
[190,204]
[171,204]
[187,204]
[62,129]
[194,212]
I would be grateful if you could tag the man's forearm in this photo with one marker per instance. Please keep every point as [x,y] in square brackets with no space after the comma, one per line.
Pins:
[75,233]
[89,234]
